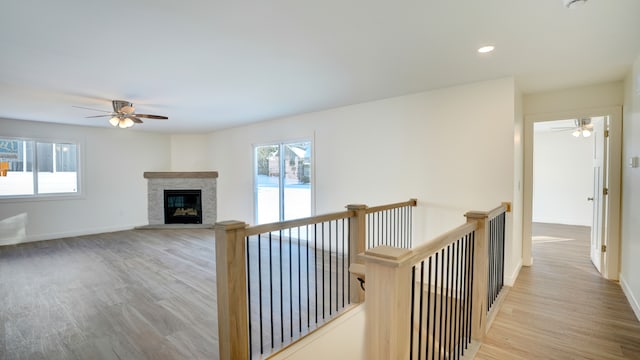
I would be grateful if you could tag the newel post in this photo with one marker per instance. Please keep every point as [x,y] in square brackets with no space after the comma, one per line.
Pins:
[357,235]
[231,282]
[388,305]
[480,274]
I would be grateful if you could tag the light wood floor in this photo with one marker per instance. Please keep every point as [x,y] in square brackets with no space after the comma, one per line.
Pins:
[146,294]
[560,308]
[151,294]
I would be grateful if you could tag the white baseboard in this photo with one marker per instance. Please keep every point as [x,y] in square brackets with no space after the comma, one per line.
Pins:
[511,279]
[65,234]
[633,301]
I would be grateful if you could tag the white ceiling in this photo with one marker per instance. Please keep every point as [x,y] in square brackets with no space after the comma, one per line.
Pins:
[210,64]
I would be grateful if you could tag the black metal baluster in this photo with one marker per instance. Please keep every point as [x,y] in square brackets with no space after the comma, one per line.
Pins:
[404,228]
[368,231]
[271,287]
[389,224]
[470,286]
[449,303]
[394,227]
[464,296]
[411,226]
[344,273]
[493,264]
[421,307]
[456,297]
[435,308]
[323,283]
[426,345]
[249,295]
[412,322]
[471,265]
[459,296]
[281,287]
[315,272]
[379,233]
[330,270]
[260,291]
[502,234]
[348,254]
[308,291]
[299,286]
[337,268]
[290,286]
[447,300]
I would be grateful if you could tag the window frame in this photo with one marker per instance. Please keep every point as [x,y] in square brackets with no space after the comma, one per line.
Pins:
[312,179]
[78,194]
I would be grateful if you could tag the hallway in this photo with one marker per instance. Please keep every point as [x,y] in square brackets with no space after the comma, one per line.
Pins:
[560,308]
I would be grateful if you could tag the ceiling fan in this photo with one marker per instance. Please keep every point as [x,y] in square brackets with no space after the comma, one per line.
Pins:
[582,127]
[123,114]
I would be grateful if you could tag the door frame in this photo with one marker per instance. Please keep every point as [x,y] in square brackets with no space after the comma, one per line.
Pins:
[611,266]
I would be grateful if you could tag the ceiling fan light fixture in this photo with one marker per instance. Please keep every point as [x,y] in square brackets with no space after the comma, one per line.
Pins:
[576,133]
[125,123]
[586,132]
[124,114]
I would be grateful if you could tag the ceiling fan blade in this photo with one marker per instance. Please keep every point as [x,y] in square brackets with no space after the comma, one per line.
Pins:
[147,116]
[135,119]
[97,116]
[82,107]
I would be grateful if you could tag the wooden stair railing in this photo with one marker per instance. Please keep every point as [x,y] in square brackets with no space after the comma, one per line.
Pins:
[236,242]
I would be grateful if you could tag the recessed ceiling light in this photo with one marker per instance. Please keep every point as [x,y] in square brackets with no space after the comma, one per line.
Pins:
[486,49]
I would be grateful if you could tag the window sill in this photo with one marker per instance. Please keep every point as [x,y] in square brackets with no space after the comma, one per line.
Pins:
[47,197]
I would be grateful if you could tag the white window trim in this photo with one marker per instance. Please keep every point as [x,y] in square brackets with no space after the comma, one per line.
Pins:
[79,194]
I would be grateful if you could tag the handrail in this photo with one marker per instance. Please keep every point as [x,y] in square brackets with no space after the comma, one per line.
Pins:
[488,214]
[265,228]
[411,202]
[426,250]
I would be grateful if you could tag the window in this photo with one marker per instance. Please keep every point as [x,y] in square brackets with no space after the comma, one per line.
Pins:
[282,181]
[38,167]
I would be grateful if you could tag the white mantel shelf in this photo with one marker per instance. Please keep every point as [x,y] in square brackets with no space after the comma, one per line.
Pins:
[180,175]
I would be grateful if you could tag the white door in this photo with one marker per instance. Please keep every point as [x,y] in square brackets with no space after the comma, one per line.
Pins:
[598,230]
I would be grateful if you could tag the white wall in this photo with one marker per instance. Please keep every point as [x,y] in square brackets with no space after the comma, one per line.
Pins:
[585,97]
[340,339]
[189,152]
[630,226]
[514,248]
[453,149]
[114,193]
[562,178]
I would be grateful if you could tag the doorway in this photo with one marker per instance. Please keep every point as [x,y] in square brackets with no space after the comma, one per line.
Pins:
[586,196]
[563,185]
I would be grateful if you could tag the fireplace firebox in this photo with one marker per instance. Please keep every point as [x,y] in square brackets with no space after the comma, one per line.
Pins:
[183,206]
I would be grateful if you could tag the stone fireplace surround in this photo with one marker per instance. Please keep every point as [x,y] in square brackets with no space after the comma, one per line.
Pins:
[206,181]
